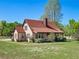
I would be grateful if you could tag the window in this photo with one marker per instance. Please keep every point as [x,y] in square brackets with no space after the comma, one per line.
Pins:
[22,36]
[36,36]
[39,35]
[25,27]
[28,35]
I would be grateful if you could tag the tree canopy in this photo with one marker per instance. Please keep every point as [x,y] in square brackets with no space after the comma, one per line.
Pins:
[7,28]
[53,10]
[72,28]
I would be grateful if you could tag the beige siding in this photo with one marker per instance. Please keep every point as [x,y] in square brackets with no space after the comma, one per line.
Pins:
[28,31]
[21,37]
[15,35]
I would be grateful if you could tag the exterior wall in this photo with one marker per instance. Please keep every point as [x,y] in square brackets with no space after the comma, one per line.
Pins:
[41,35]
[28,31]
[51,36]
[45,35]
[15,36]
[21,37]
[48,36]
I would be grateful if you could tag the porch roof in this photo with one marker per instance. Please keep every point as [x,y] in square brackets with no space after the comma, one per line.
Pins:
[44,30]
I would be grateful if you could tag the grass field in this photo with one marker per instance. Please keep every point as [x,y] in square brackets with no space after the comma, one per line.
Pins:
[23,50]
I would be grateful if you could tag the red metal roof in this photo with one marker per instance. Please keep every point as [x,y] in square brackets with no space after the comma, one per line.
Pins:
[39,26]
[34,23]
[52,25]
[19,29]
[42,29]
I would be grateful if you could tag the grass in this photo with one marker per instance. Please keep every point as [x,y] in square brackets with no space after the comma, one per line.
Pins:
[23,50]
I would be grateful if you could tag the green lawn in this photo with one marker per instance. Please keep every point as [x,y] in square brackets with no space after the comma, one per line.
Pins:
[56,50]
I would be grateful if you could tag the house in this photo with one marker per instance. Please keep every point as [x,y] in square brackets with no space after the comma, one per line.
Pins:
[33,29]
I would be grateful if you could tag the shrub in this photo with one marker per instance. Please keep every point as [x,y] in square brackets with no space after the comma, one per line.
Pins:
[39,40]
[60,39]
[51,37]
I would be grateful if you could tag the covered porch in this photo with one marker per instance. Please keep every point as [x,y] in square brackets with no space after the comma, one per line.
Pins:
[46,33]
[48,36]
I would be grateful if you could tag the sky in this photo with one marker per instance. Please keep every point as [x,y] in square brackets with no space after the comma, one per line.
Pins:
[18,10]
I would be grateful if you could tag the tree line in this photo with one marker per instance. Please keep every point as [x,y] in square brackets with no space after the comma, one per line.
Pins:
[6,29]
[72,29]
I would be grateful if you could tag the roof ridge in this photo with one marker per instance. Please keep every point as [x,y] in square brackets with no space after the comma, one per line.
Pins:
[33,19]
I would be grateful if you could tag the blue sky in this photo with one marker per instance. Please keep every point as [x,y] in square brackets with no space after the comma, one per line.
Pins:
[18,10]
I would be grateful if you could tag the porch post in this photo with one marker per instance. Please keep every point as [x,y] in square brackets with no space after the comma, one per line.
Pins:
[55,37]
[34,37]
[28,40]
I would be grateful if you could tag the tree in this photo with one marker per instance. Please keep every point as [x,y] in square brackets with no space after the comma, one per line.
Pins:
[70,28]
[1,27]
[72,23]
[76,35]
[53,10]
[7,28]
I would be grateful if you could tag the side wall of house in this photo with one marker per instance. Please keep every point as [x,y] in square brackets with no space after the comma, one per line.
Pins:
[15,36]
[28,30]
[21,37]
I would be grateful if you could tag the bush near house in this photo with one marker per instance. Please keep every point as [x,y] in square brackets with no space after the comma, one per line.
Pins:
[40,40]
[60,39]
